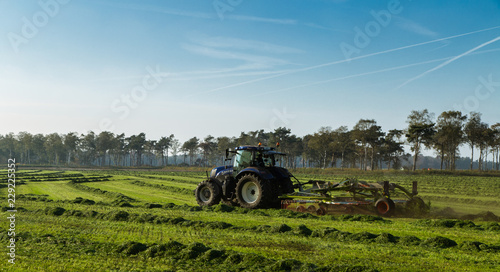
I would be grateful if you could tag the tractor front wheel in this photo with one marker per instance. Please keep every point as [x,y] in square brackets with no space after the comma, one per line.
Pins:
[208,193]
[252,192]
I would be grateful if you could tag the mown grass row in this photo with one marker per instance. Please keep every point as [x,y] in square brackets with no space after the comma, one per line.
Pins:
[190,180]
[301,230]
[164,187]
[115,195]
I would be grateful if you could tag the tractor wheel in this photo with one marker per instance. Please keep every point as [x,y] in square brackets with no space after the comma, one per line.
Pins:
[279,188]
[416,206]
[287,186]
[385,206]
[252,192]
[208,193]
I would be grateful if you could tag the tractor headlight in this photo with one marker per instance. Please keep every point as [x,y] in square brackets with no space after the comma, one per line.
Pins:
[213,172]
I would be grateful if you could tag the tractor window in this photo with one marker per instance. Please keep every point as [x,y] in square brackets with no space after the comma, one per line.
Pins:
[268,160]
[243,159]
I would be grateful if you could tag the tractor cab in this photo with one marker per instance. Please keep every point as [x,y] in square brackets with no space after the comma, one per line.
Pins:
[252,156]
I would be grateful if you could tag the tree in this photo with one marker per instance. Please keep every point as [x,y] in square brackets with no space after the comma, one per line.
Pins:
[163,145]
[282,135]
[224,143]
[208,146]
[259,136]
[8,142]
[87,148]
[54,146]
[492,138]
[191,146]
[484,140]
[309,154]
[104,143]
[342,143]
[118,150]
[176,145]
[367,134]
[320,143]
[496,143]
[26,142]
[70,143]
[450,135]
[135,144]
[473,130]
[39,151]
[244,139]
[393,148]
[295,148]
[420,131]
[150,149]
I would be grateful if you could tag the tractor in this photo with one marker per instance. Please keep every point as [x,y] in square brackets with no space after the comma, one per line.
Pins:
[254,180]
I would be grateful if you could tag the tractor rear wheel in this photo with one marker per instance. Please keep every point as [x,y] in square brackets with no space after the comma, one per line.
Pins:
[208,193]
[385,206]
[279,188]
[253,192]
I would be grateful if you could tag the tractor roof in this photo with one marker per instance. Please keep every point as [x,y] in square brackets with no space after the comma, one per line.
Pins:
[266,149]
[253,147]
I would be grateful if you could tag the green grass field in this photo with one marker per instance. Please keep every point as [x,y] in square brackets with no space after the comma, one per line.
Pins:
[149,221]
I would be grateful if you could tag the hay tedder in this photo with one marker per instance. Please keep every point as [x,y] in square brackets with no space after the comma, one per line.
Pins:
[352,196]
[256,181]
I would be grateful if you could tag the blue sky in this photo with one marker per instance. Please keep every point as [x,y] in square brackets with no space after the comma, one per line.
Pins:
[194,68]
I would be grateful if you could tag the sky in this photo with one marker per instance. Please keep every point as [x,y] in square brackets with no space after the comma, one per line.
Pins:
[198,68]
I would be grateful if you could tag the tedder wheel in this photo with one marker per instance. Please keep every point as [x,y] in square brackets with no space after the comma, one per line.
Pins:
[416,206]
[208,193]
[252,192]
[385,206]
[301,209]
[320,211]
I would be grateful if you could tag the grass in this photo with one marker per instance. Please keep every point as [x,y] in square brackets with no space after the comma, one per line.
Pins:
[144,193]
[111,237]
[57,190]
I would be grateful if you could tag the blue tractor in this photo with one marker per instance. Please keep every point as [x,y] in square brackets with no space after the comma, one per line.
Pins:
[254,180]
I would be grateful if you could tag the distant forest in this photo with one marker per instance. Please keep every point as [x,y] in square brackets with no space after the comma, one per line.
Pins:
[365,146]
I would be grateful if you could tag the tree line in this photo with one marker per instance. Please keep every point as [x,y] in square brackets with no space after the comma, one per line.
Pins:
[365,146]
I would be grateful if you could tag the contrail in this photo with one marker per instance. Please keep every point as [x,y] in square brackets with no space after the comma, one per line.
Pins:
[351,76]
[346,60]
[449,61]
[367,73]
